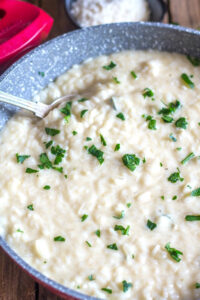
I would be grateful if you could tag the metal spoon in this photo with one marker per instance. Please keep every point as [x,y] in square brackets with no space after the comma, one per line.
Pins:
[40,109]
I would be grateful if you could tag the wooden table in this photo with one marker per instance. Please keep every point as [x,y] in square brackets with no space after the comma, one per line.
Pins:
[14,283]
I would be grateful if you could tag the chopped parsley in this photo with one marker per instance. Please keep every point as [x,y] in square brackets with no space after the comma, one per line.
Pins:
[45,162]
[97,153]
[83,100]
[74,132]
[30,207]
[121,116]
[187,158]
[133,74]
[192,218]
[196,192]
[174,197]
[59,153]
[197,285]
[112,246]
[121,216]
[66,110]
[194,61]
[170,109]
[46,187]
[152,122]
[21,158]
[88,138]
[84,217]
[98,233]
[65,176]
[52,131]
[148,93]
[128,205]
[167,119]
[162,197]
[91,277]
[83,112]
[172,137]
[117,147]
[187,80]
[19,230]
[110,66]
[48,144]
[60,170]
[181,123]
[124,231]
[174,253]
[30,171]
[131,161]
[115,79]
[179,149]
[161,164]
[144,160]
[109,291]
[103,140]
[42,74]
[151,225]
[174,177]
[59,238]
[126,285]
[89,245]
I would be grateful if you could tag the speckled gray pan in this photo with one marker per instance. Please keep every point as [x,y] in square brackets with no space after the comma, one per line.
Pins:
[59,54]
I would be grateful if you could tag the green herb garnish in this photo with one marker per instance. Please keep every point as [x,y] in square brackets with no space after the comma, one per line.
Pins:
[187,158]
[83,100]
[122,214]
[148,93]
[46,187]
[91,277]
[187,81]
[192,218]
[88,138]
[97,153]
[89,245]
[83,112]
[59,153]
[115,79]
[84,217]
[152,122]
[30,207]
[30,171]
[170,109]
[174,197]
[98,233]
[103,140]
[66,110]
[131,161]
[196,192]
[110,66]
[121,116]
[45,162]
[151,225]
[109,291]
[128,205]
[59,238]
[181,123]
[117,147]
[174,177]
[112,246]
[52,131]
[133,74]
[174,253]
[167,119]
[162,197]
[126,285]
[172,137]
[19,230]
[21,158]
[179,149]
[194,61]
[197,285]
[124,231]
[74,132]
[48,144]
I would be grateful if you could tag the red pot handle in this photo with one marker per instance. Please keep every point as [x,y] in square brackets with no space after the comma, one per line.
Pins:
[22,27]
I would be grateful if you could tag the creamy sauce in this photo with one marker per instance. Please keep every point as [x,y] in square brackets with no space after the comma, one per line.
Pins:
[95,12]
[93,223]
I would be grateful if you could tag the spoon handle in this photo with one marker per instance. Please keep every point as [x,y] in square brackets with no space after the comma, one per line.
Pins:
[37,108]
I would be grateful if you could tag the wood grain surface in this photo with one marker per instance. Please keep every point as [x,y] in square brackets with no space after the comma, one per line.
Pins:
[14,283]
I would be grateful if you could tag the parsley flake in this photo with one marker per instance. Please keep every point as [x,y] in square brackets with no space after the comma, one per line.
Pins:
[194,61]
[88,138]
[128,205]
[121,216]
[115,79]
[174,197]
[83,112]
[48,144]
[84,217]
[110,66]
[151,225]
[91,277]
[174,253]
[170,109]
[45,162]
[196,192]
[89,245]
[19,230]
[74,132]
[167,119]
[172,137]
[133,74]
[197,285]
[192,218]
[187,81]
[21,158]
[66,110]
[117,147]
[97,153]
[152,122]
[109,291]
[30,171]
[148,93]
[113,246]
[83,100]
[174,177]
[131,161]
[46,187]
[30,207]
[181,123]
[103,140]
[59,153]
[121,116]
[126,285]
[52,131]
[98,233]
[124,231]
[59,238]
[187,158]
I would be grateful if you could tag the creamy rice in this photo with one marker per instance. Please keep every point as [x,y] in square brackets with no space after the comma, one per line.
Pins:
[95,12]
[89,230]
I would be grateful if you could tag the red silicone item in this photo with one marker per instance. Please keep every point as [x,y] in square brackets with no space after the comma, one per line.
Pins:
[22,27]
